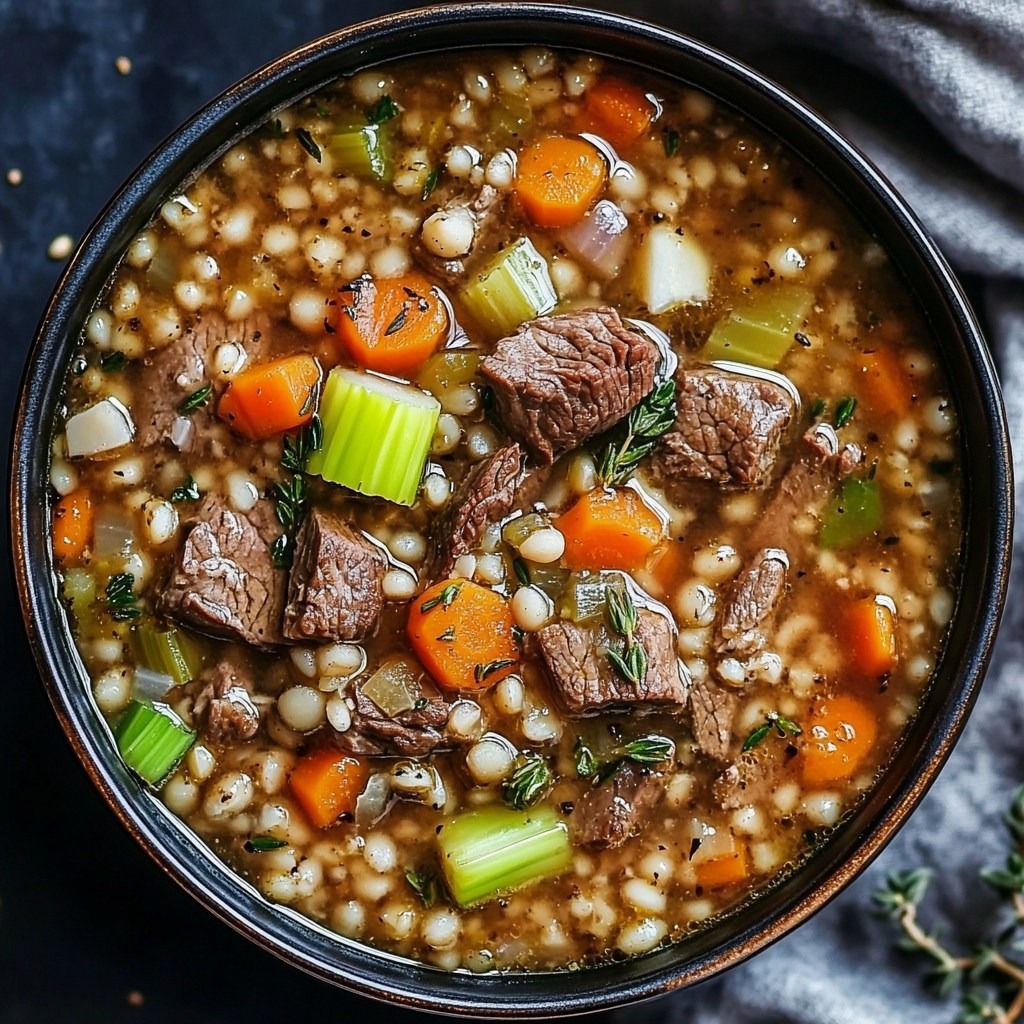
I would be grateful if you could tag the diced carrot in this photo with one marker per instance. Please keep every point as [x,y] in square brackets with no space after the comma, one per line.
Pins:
[72,526]
[327,784]
[837,738]
[462,634]
[883,382]
[720,872]
[618,111]
[868,634]
[557,179]
[392,325]
[670,565]
[609,529]
[271,398]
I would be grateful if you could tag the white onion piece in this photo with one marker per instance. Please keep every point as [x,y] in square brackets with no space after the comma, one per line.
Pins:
[100,428]
[181,431]
[600,241]
[113,534]
[373,803]
[148,685]
[672,269]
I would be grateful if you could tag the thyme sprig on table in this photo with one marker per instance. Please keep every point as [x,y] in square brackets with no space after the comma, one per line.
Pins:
[631,664]
[990,980]
[647,422]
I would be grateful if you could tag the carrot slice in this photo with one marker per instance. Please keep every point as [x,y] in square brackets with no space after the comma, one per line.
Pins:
[462,634]
[619,111]
[392,325]
[885,384]
[72,526]
[868,633]
[557,179]
[720,872]
[837,738]
[609,529]
[327,784]
[670,565]
[271,398]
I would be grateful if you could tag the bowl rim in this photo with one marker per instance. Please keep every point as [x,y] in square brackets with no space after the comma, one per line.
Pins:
[290,936]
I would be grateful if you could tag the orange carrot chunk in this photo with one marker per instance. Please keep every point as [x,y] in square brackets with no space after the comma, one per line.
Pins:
[72,526]
[327,783]
[837,738]
[720,872]
[869,637]
[392,325]
[557,180]
[609,529]
[618,111]
[272,397]
[884,382]
[671,566]
[462,634]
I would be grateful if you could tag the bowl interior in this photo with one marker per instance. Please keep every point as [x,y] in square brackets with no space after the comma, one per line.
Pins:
[984,552]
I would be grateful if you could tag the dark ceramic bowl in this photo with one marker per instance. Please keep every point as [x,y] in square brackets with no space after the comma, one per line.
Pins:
[985,550]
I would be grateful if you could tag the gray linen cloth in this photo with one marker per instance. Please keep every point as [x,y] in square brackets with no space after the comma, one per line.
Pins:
[933,91]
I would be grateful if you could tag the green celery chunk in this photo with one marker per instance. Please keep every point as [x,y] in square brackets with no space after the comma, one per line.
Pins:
[362,151]
[79,590]
[449,369]
[547,577]
[855,513]
[376,434]
[152,739]
[171,653]
[517,530]
[513,288]
[507,119]
[586,595]
[495,849]
[761,332]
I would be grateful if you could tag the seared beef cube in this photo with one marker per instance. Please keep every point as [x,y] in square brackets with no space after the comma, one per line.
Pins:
[585,682]
[486,495]
[612,811]
[225,703]
[224,581]
[335,590]
[178,370]
[413,733]
[712,711]
[560,380]
[728,428]
[751,602]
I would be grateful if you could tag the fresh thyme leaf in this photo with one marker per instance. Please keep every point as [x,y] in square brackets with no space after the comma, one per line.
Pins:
[275,129]
[383,110]
[636,659]
[308,404]
[431,183]
[622,613]
[195,400]
[281,552]
[772,720]
[650,749]
[586,763]
[445,598]
[631,664]
[309,144]
[482,672]
[756,737]
[627,445]
[298,448]
[425,884]
[264,844]
[448,636]
[817,408]
[529,780]
[622,666]
[121,597]
[522,571]
[670,140]
[112,362]
[188,491]
[397,324]
[844,411]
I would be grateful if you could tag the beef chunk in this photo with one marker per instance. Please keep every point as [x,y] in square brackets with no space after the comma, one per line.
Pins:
[728,428]
[486,208]
[413,733]
[712,710]
[179,369]
[751,602]
[751,779]
[223,581]
[608,814]
[486,494]
[225,703]
[560,380]
[335,588]
[584,681]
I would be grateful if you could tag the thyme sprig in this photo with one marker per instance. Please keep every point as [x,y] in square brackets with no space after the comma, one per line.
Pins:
[529,780]
[264,844]
[631,664]
[291,493]
[425,884]
[629,445]
[646,750]
[121,597]
[772,720]
[990,981]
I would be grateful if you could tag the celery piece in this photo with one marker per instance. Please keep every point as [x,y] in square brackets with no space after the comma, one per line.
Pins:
[449,369]
[79,590]
[549,577]
[761,332]
[855,513]
[494,849]
[171,653]
[515,531]
[152,739]
[376,434]
[586,595]
[513,288]
[506,120]
[362,151]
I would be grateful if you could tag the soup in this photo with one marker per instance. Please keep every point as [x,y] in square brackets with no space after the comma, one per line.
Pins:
[508,508]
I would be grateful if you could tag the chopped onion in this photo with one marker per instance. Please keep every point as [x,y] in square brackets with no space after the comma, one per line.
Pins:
[600,241]
[100,428]
[113,533]
[394,687]
[181,432]
[373,803]
[672,269]
[148,686]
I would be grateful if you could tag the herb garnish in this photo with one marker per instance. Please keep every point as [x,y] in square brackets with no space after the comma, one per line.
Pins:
[291,501]
[586,763]
[772,720]
[652,749]
[445,598]
[622,617]
[529,780]
[481,672]
[844,411]
[121,597]
[670,140]
[383,110]
[430,183]
[264,844]
[188,491]
[309,144]
[195,400]
[281,551]
[112,362]
[448,636]
[291,494]
[522,571]
[397,324]
[425,884]
[299,448]
[818,407]
[650,419]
